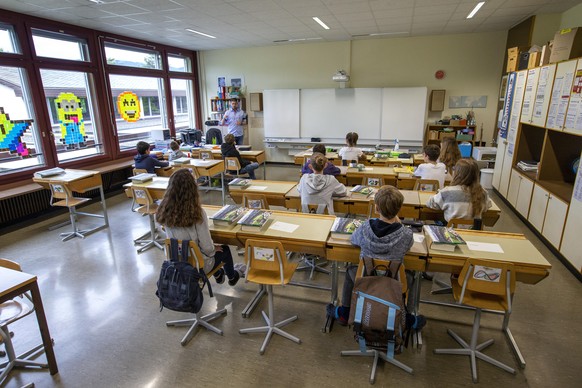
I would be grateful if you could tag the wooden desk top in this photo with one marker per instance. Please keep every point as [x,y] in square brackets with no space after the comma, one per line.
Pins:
[199,163]
[70,175]
[375,159]
[418,248]
[370,170]
[11,280]
[410,196]
[157,183]
[425,195]
[267,187]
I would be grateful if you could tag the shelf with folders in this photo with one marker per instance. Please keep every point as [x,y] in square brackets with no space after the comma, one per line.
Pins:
[220,105]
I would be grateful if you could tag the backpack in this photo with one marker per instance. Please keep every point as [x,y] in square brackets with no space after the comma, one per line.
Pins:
[180,284]
[379,316]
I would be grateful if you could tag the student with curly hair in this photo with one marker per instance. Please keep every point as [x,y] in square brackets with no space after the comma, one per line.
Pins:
[450,153]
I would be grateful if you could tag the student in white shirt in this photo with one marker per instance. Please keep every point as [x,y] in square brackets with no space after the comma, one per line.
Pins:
[351,152]
[432,168]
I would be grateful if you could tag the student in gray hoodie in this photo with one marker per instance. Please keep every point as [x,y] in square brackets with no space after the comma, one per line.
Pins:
[318,189]
[380,238]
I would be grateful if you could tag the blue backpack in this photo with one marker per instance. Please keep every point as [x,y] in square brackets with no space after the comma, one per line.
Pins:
[180,284]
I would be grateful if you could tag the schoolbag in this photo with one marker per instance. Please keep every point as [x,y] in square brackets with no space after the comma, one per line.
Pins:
[180,284]
[378,312]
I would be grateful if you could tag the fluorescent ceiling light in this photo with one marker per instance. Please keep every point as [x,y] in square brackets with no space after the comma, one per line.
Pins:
[318,20]
[475,10]
[295,40]
[200,33]
[380,34]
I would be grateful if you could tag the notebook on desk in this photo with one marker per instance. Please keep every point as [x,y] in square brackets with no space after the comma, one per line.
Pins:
[50,172]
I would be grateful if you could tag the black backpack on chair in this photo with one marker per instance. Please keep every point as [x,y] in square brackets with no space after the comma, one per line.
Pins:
[180,284]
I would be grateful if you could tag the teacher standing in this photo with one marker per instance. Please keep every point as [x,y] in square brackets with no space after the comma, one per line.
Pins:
[234,119]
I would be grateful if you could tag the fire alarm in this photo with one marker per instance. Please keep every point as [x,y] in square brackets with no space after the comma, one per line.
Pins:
[440,74]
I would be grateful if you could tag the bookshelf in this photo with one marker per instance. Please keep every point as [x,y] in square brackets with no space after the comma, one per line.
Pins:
[218,106]
[434,133]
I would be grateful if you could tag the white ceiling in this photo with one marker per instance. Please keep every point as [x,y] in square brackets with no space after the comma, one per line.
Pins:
[247,23]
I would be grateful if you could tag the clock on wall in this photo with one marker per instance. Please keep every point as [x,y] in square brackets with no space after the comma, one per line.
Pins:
[439,74]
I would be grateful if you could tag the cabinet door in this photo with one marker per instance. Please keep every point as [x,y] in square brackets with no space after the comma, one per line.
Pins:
[571,246]
[513,192]
[555,219]
[561,94]
[573,122]
[501,145]
[506,171]
[524,196]
[529,95]
[539,202]
[543,94]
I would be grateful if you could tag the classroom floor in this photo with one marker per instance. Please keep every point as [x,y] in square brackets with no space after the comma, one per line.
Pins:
[108,330]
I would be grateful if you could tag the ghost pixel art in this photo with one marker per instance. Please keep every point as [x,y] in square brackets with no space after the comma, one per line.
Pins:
[71,120]
[128,106]
[11,132]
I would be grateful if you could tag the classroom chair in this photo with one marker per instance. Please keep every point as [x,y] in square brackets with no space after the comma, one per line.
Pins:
[206,155]
[267,265]
[10,312]
[482,284]
[196,259]
[427,185]
[255,201]
[310,262]
[147,207]
[137,171]
[378,181]
[232,168]
[62,196]
[407,183]
[380,354]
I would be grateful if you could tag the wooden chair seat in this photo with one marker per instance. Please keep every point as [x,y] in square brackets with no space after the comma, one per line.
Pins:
[71,202]
[261,276]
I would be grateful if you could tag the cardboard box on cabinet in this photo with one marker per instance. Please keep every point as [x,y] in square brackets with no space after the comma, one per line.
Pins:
[567,45]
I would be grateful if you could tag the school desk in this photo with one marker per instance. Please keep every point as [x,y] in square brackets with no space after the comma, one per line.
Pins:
[208,168]
[253,156]
[14,283]
[376,161]
[490,217]
[274,191]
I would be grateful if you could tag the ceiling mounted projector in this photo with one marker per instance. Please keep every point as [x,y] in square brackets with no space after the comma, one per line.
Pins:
[341,76]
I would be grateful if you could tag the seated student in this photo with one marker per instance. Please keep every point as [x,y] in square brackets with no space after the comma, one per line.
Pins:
[228,149]
[318,189]
[464,198]
[184,218]
[450,153]
[329,168]
[379,238]
[431,168]
[175,152]
[143,159]
[351,152]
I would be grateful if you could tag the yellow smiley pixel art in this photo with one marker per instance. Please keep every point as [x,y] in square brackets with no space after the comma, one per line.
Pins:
[128,106]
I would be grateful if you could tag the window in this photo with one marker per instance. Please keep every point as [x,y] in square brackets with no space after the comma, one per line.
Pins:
[182,102]
[8,40]
[20,144]
[69,97]
[179,63]
[139,106]
[121,55]
[58,45]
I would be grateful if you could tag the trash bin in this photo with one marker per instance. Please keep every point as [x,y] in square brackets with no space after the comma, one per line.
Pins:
[487,178]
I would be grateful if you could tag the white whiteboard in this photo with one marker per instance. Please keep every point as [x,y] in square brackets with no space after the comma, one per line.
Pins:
[331,113]
[281,113]
[403,113]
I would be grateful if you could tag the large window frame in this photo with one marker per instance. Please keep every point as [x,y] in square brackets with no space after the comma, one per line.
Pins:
[95,65]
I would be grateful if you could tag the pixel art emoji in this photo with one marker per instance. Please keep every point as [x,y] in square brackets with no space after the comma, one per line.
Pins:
[10,134]
[128,106]
[71,120]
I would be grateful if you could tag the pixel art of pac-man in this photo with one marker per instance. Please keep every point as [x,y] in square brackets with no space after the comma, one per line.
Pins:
[128,106]
[71,120]
[10,134]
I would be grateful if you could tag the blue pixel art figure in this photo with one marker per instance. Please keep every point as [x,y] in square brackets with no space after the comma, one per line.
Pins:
[71,119]
[11,132]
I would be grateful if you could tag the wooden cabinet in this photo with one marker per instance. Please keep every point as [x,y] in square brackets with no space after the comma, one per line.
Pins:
[561,94]
[571,246]
[531,86]
[543,94]
[520,191]
[256,102]
[499,167]
[434,133]
[573,122]
[548,214]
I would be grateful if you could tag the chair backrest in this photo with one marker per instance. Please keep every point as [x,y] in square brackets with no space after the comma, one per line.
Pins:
[268,257]
[231,164]
[373,180]
[372,209]
[255,201]
[427,185]
[142,197]
[315,208]
[195,257]
[485,281]
[406,183]
[401,272]
[137,171]
[206,155]
[59,191]
[10,264]
[475,224]
[393,163]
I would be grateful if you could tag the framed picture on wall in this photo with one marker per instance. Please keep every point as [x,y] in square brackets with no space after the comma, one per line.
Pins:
[502,88]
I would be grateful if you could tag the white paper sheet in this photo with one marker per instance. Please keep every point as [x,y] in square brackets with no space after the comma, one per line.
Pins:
[418,237]
[484,247]
[284,227]
[257,187]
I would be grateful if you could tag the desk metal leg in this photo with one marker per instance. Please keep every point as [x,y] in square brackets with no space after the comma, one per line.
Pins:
[334,281]
[250,307]
[44,330]
[104,205]
[512,342]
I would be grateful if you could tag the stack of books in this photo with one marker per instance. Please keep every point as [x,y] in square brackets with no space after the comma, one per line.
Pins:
[239,184]
[51,172]
[361,191]
[183,160]
[528,165]
[343,228]
[254,220]
[442,238]
[227,216]
[141,178]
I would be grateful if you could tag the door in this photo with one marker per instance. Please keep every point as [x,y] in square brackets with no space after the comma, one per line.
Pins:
[539,203]
[524,196]
[555,220]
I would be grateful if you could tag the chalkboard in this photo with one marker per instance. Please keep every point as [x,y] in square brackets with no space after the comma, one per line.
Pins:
[327,112]
[375,113]
[281,113]
[403,113]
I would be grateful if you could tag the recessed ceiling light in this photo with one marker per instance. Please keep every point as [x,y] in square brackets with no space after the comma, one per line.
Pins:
[200,33]
[475,10]
[97,1]
[318,20]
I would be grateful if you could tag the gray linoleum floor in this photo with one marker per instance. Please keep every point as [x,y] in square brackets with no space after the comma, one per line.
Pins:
[104,317]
